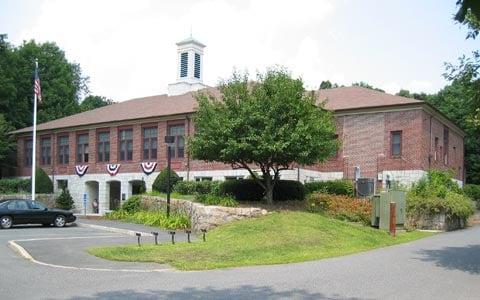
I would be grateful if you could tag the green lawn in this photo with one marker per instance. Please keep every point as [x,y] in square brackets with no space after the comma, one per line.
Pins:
[282,237]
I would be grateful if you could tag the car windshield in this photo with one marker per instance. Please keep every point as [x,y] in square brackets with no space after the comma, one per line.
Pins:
[36,205]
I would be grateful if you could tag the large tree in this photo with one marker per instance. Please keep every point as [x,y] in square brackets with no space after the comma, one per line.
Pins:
[6,142]
[62,82]
[92,102]
[267,125]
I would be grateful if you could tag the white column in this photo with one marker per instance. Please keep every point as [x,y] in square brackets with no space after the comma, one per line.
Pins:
[103,196]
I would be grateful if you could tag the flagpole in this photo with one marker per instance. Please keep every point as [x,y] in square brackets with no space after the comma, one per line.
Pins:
[34,141]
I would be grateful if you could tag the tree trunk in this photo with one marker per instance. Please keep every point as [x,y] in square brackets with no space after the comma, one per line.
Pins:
[268,189]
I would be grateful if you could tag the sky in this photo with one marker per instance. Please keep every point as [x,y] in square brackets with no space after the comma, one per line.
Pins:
[127,48]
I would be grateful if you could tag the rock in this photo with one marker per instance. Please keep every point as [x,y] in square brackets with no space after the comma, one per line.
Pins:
[204,216]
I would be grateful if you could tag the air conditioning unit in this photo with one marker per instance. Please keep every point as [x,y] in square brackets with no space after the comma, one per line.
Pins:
[365,187]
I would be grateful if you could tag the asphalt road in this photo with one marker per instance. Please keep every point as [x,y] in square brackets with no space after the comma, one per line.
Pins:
[445,266]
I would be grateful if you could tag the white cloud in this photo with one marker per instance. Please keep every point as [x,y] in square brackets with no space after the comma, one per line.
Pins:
[127,48]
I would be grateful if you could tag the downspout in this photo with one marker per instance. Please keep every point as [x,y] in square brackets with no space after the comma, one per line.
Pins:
[188,152]
[430,143]
[54,155]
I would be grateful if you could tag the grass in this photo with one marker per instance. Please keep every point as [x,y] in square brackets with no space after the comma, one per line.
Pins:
[280,237]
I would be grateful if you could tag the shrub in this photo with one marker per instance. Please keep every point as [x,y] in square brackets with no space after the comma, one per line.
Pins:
[160,183]
[152,218]
[15,185]
[65,200]
[185,187]
[197,187]
[335,187]
[340,207]
[243,189]
[438,193]
[248,189]
[209,199]
[132,204]
[473,191]
[43,183]
[288,190]
[453,205]
[436,183]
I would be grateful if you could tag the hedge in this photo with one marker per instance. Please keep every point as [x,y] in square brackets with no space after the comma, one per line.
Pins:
[437,193]
[248,189]
[335,187]
[16,185]
[197,187]
[43,184]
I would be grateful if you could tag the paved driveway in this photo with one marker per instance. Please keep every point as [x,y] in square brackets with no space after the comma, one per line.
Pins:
[445,266]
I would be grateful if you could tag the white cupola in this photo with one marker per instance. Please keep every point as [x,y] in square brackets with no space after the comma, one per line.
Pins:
[189,67]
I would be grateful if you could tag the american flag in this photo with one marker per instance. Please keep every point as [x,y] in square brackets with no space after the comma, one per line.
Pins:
[36,88]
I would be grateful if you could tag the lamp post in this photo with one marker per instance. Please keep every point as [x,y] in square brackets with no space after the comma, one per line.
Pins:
[169,140]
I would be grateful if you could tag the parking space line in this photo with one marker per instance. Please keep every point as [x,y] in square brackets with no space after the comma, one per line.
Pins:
[114,229]
[68,238]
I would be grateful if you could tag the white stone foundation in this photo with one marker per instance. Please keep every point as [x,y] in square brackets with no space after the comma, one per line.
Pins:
[98,185]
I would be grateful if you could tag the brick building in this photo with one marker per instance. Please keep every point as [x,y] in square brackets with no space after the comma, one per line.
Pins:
[106,153]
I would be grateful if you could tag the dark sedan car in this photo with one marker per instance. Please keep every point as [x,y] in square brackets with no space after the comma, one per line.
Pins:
[18,211]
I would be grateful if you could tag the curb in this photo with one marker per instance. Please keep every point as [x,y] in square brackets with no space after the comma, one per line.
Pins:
[114,229]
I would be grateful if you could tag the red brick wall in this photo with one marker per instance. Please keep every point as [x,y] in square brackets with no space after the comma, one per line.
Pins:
[365,142]
[433,128]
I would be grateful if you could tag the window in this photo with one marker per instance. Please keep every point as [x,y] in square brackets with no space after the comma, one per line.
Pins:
[82,148]
[103,144]
[203,178]
[445,145]
[197,66]
[63,150]
[233,177]
[21,205]
[435,153]
[28,152]
[46,151]
[62,184]
[183,64]
[150,143]
[178,149]
[36,205]
[396,141]
[125,144]
[336,149]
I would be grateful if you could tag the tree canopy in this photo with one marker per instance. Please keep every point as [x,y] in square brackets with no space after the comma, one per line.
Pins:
[62,82]
[92,102]
[267,125]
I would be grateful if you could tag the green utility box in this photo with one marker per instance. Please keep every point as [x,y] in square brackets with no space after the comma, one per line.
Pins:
[381,208]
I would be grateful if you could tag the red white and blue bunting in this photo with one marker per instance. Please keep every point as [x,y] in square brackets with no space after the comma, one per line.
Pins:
[148,167]
[112,169]
[81,170]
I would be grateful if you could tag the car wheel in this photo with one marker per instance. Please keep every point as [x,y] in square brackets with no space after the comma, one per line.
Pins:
[6,222]
[59,221]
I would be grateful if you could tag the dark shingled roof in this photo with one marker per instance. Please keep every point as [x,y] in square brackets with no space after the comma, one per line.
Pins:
[164,105]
